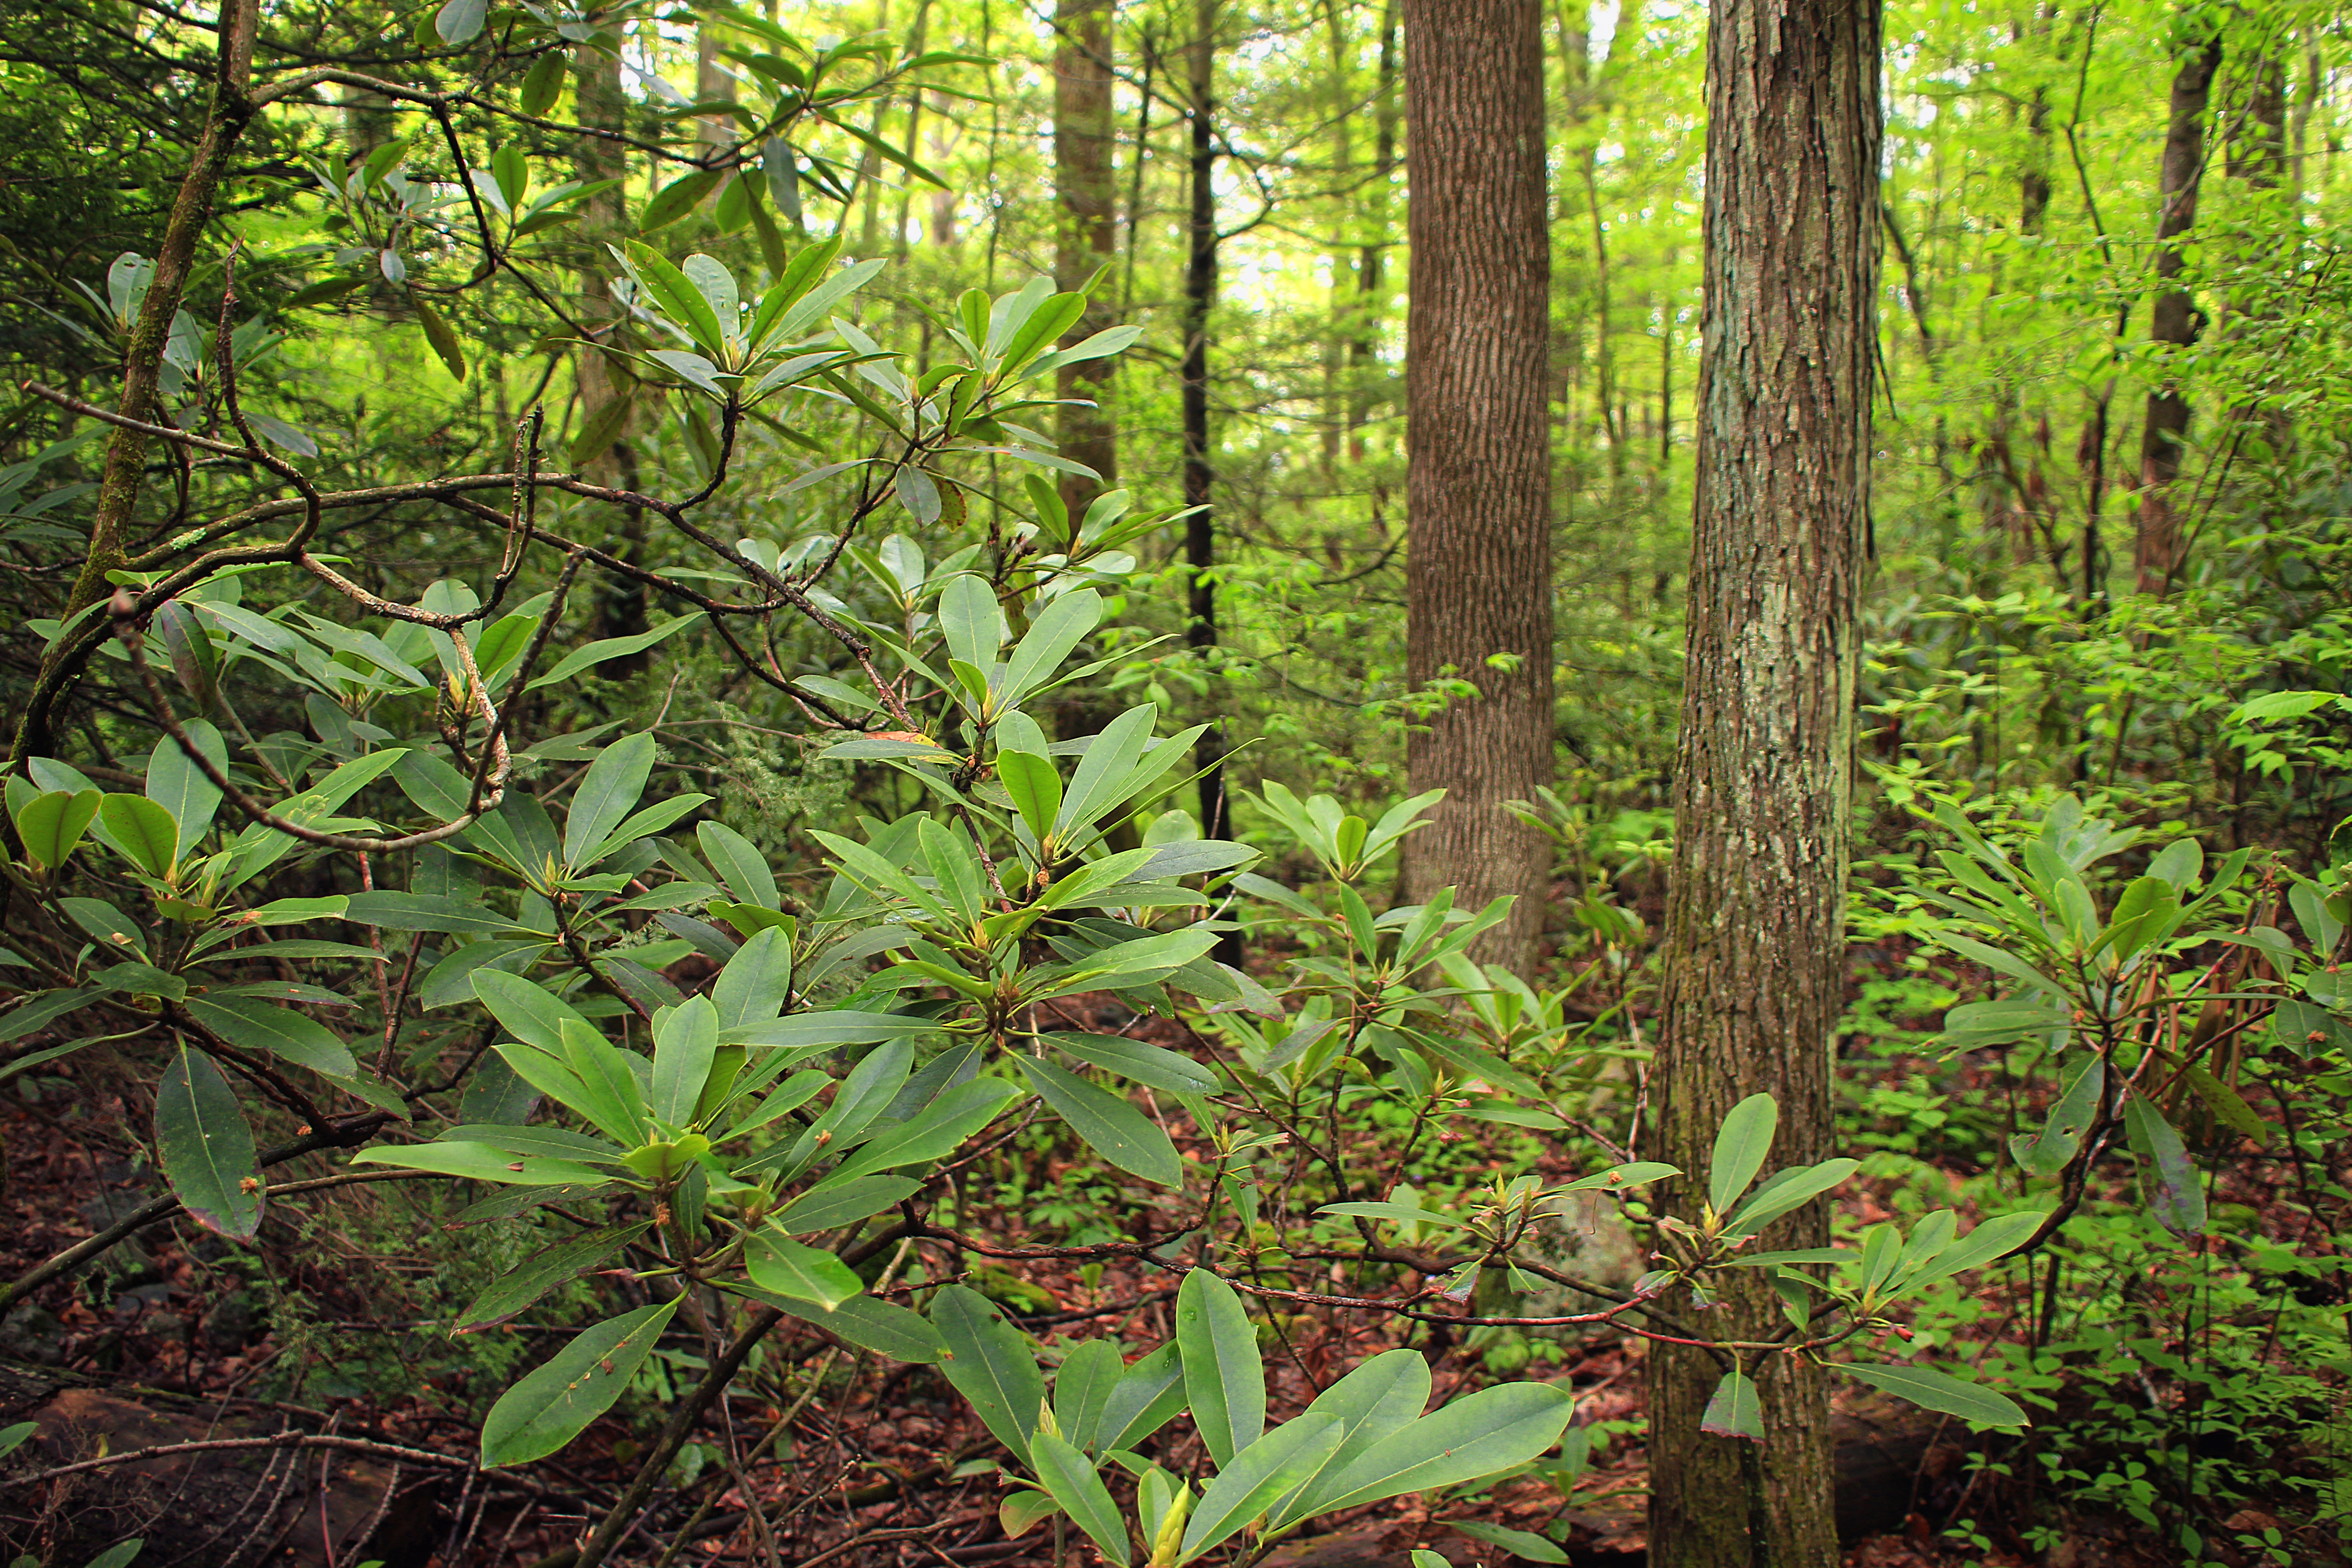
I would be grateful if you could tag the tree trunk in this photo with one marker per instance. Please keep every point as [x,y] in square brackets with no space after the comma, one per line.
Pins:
[601,104]
[1087,238]
[1756,910]
[1364,339]
[1200,528]
[1479,454]
[123,476]
[2157,543]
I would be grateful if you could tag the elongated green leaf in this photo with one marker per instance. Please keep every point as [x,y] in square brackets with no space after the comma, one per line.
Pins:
[1382,1396]
[1491,1430]
[1640,1173]
[1401,1213]
[990,1365]
[803,1273]
[1785,1192]
[430,911]
[757,981]
[866,1321]
[1734,1410]
[1154,1066]
[1065,622]
[684,1045]
[545,1141]
[1740,1146]
[831,1205]
[607,793]
[1109,1125]
[1224,1382]
[1264,1470]
[613,1098]
[484,1163]
[1082,1390]
[543,1271]
[2175,1196]
[2051,1150]
[533,1013]
[1073,1483]
[1146,1397]
[181,788]
[53,823]
[1523,1544]
[1036,787]
[935,1134]
[836,1026]
[141,831]
[1989,1243]
[596,652]
[206,1149]
[285,1033]
[1941,1392]
[552,1405]
[739,864]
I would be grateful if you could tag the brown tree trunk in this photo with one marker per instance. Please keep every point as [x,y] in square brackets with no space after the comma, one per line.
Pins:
[601,104]
[2156,541]
[123,476]
[1478,453]
[1363,345]
[1200,295]
[1756,910]
[1088,239]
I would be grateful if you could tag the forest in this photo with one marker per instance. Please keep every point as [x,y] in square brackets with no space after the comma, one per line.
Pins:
[1321,784]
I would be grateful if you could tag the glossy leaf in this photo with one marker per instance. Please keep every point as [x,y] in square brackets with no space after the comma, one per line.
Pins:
[51,827]
[803,1273]
[547,1269]
[831,1205]
[206,1149]
[1734,1410]
[1224,1382]
[990,1364]
[539,1415]
[1108,1124]
[1074,1485]
[1740,1147]
[1249,1483]
[1491,1430]
[1941,1392]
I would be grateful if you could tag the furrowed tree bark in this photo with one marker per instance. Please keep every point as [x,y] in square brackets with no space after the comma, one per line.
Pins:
[1478,460]
[123,476]
[1200,296]
[606,391]
[1087,238]
[1756,908]
[2155,537]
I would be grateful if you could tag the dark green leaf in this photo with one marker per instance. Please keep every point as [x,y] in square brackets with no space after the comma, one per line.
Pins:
[553,1404]
[1224,1382]
[990,1364]
[543,1271]
[1111,1126]
[206,1149]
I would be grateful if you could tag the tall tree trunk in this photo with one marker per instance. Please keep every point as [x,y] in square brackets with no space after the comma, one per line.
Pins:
[1479,454]
[1087,232]
[123,476]
[1200,295]
[606,391]
[1364,339]
[712,83]
[2157,543]
[1755,909]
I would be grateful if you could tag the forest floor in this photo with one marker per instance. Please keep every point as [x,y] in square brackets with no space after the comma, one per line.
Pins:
[177,1339]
